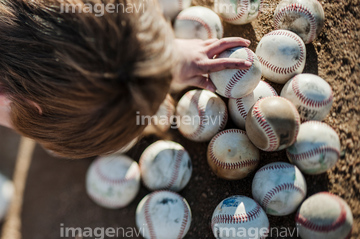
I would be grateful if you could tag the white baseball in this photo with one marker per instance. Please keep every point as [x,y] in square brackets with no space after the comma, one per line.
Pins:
[279,188]
[239,108]
[231,155]
[316,149]
[113,181]
[304,17]
[272,123]
[6,195]
[171,8]
[282,55]
[163,215]
[202,114]
[238,12]
[311,95]
[324,216]
[198,23]
[242,214]
[162,120]
[232,83]
[165,165]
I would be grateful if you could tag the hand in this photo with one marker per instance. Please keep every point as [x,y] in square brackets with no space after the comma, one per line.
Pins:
[195,59]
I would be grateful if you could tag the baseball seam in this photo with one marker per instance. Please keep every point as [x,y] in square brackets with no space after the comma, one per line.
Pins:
[237,218]
[275,167]
[313,152]
[238,75]
[180,5]
[229,166]
[324,228]
[240,14]
[240,104]
[303,10]
[175,174]
[224,120]
[147,217]
[184,221]
[126,179]
[195,100]
[284,70]
[199,20]
[306,101]
[269,132]
[241,108]
[282,187]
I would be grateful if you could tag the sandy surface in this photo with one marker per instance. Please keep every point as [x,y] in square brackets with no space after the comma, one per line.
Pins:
[55,192]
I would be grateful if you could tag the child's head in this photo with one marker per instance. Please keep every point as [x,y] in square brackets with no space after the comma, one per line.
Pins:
[75,80]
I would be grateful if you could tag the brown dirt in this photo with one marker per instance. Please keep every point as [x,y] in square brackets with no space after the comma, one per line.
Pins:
[55,191]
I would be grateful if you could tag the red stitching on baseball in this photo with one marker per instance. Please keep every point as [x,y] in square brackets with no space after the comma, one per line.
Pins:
[285,186]
[148,217]
[240,14]
[300,9]
[184,221]
[237,218]
[201,111]
[239,74]
[275,167]
[114,181]
[199,20]
[224,165]
[313,152]
[175,174]
[269,132]
[324,228]
[224,120]
[240,104]
[180,2]
[306,101]
[283,70]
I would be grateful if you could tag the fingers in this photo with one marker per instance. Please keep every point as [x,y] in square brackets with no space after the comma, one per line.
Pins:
[220,64]
[202,82]
[219,46]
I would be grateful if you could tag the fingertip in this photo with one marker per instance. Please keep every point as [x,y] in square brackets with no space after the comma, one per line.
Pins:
[247,63]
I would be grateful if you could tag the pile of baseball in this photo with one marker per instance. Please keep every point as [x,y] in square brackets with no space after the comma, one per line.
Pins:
[266,122]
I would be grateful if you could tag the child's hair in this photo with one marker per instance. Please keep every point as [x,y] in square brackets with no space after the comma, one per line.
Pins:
[76,80]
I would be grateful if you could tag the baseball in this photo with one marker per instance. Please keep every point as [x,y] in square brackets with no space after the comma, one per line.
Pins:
[171,8]
[239,108]
[162,120]
[127,147]
[163,215]
[316,149]
[165,165]
[6,195]
[282,55]
[231,155]
[311,95]
[232,83]
[304,17]
[241,213]
[279,188]
[198,23]
[237,12]
[113,181]
[272,123]
[202,114]
[324,216]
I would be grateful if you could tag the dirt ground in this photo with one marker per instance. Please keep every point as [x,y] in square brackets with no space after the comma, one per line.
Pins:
[55,194]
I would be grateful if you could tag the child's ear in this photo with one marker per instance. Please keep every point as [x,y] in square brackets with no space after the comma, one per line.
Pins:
[5,111]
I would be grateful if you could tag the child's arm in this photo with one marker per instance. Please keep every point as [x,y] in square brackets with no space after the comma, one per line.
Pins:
[195,59]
